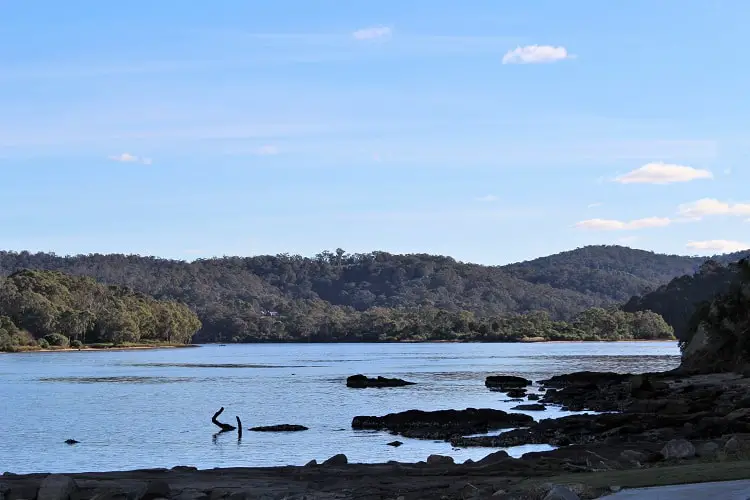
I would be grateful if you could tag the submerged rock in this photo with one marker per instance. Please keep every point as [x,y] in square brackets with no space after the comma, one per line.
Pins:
[442,424]
[363,382]
[530,407]
[516,393]
[71,442]
[395,444]
[506,382]
[279,428]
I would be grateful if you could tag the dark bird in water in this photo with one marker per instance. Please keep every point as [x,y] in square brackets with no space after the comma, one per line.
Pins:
[71,441]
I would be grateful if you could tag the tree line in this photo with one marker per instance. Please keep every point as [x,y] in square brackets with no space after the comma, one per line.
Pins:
[48,307]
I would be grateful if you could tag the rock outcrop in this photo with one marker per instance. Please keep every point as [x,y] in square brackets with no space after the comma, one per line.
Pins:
[442,424]
[363,382]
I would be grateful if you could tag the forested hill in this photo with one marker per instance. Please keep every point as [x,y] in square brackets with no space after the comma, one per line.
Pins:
[678,300]
[610,273]
[271,296]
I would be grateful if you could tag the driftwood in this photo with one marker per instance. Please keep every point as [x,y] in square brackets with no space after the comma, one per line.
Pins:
[224,427]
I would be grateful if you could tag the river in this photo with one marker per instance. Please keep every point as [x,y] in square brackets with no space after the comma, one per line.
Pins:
[152,408]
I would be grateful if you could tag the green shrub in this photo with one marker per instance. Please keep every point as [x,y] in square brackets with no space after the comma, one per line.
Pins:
[43,343]
[76,344]
[57,340]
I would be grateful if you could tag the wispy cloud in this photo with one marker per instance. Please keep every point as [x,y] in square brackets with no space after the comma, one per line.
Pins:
[372,33]
[594,205]
[536,54]
[708,207]
[663,173]
[617,225]
[130,158]
[718,246]
[487,198]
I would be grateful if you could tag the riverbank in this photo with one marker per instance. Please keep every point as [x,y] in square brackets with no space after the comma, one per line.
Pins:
[97,347]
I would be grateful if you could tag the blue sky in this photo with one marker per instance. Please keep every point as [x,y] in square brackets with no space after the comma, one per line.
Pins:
[489,131]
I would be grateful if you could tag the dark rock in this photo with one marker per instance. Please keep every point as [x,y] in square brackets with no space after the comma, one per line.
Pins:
[337,460]
[583,378]
[440,460]
[516,393]
[530,407]
[533,397]
[113,493]
[678,448]
[184,468]
[311,463]
[71,441]
[442,424]
[395,444]
[156,489]
[280,428]
[58,487]
[494,458]
[363,382]
[506,382]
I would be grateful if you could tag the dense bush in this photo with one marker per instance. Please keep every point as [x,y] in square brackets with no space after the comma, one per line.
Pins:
[57,340]
[43,343]
[76,344]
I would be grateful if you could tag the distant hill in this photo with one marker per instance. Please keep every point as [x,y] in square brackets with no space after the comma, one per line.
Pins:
[610,273]
[273,296]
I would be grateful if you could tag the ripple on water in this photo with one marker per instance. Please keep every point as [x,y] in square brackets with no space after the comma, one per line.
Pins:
[117,380]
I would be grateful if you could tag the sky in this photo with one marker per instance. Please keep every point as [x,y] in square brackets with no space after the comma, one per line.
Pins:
[492,132]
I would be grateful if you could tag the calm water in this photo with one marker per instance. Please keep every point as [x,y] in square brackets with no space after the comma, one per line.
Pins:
[136,409]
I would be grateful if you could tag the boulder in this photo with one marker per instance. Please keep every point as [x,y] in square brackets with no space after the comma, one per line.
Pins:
[505,382]
[311,463]
[678,448]
[442,424]
[71,442]
[395,444]
[440,460]
[530,407]
[516,393]
[494,458]
[708,449]
[733,445]
[363,382]
[58,487]
[337,460]
[156,489]
[533,397]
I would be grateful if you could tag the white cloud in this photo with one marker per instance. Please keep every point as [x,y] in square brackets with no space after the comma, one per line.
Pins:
[535,54]
[267,150]
[709,206]
[129,158]
[617,225]
[594,205]
[488,198]
[719,246]
[663,173]
[372,33]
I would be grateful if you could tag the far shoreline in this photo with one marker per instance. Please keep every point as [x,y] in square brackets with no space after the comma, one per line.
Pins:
[296,342]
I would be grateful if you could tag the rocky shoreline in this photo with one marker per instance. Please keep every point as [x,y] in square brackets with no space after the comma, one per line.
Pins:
[647,422]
